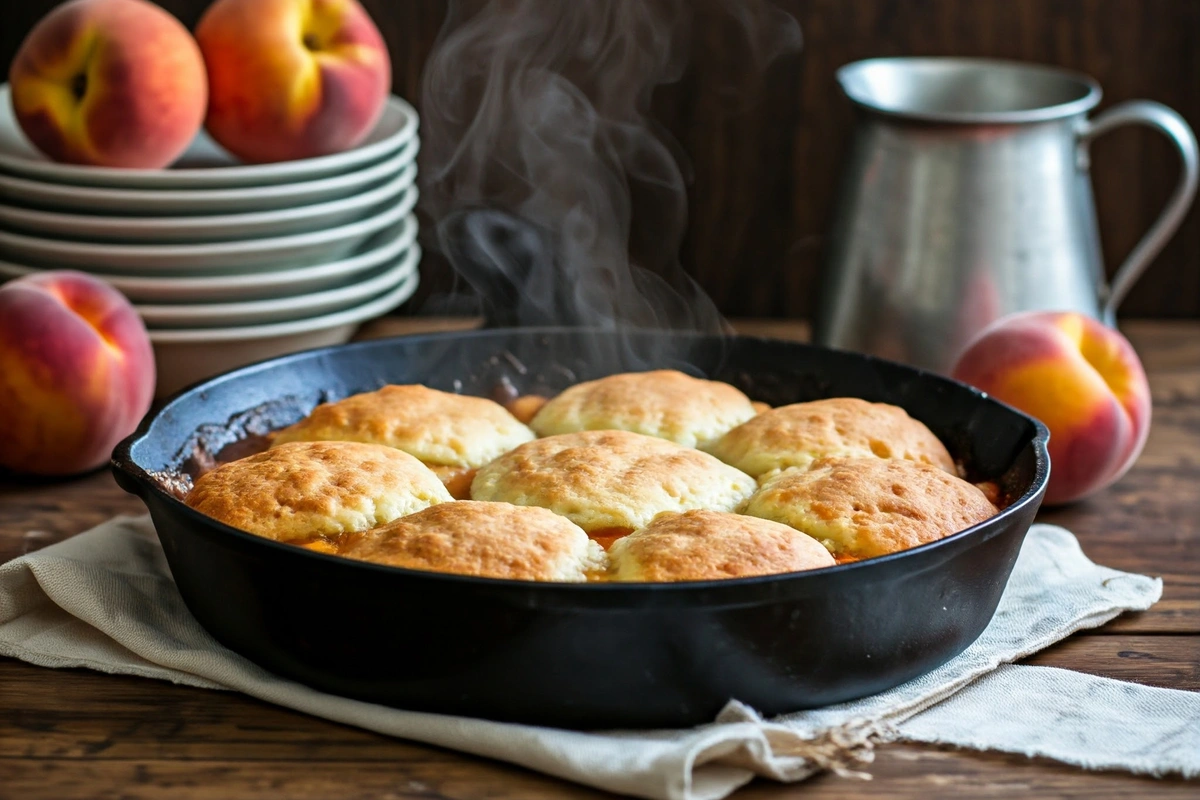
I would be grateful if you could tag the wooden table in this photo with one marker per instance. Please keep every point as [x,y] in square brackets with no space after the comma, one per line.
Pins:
[79,734]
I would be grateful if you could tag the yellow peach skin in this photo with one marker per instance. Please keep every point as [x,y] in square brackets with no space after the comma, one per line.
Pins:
[292,79]
[116,83]
[76,372]
[1079,377]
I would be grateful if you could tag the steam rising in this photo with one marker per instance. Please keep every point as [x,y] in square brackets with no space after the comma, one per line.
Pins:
[539,148]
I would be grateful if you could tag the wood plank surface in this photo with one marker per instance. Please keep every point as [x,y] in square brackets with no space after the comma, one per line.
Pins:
[68,734]
[902,772]
[316,779]
[1167,661]
[101,740]
[79,714]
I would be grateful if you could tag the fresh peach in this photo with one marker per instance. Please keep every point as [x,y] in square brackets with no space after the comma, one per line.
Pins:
[117,83]
[76,372]
[292,79]
[1079,377]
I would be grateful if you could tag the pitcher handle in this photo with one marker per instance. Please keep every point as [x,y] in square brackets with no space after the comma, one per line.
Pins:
[1166,120]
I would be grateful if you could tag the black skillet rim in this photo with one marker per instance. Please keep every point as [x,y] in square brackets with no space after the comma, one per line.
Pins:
[122,461]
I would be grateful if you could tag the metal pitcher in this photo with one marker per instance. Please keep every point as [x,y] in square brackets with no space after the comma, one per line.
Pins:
[967,196]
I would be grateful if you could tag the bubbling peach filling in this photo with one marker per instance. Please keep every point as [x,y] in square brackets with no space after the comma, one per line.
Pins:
[992,491]
[606,536]
[456,479]
[319,546]
[525,407]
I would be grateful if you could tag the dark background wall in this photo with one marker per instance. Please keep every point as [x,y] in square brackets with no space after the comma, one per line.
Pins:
[765,175]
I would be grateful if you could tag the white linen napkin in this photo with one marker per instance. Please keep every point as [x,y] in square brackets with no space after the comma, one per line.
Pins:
[105,600]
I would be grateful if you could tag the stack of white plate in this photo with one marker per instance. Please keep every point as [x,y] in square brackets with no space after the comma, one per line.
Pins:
[227,263]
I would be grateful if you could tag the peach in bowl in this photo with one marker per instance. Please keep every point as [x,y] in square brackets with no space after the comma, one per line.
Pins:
[292,79]
[116,83]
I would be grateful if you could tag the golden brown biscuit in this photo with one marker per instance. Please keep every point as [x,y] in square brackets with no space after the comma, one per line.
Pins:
[439,428]
[866,507]
[663,403]
[305,490]
[494,540]
[797,435]
[709,545]
[611,479]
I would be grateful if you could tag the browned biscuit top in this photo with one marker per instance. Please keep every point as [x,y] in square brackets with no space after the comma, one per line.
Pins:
[302,490]
[865,507]
[664,403]
[437,427]
[709,545]
[611,479]
[495,540]
[797,434]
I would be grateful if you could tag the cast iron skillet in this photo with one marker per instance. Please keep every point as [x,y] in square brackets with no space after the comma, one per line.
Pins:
[585,655]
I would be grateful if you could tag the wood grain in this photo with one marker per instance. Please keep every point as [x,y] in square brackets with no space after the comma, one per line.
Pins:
[1171,662]
[78,714]
[68,734]
[141,779]
[77,734]
[902,771]
[915,772]
[36,513]
[767,160]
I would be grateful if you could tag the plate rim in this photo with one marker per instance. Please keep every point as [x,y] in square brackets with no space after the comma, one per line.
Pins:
[245,175]
[405,176]
[407,230]
[52,249]
[132,197]
[393,273]
[350,316]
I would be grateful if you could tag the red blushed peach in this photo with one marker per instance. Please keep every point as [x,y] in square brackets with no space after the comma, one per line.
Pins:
[76,372]
[1078,376]
[116,83]
[292,79]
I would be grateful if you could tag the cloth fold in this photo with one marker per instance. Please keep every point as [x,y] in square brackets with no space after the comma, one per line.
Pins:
[1025,708]
[105,600]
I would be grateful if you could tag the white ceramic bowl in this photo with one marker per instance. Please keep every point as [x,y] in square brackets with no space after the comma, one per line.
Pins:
[205,165]
[153,202]
[277,252]
[183,357]
[382,248]
[283,309]
[206,228]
